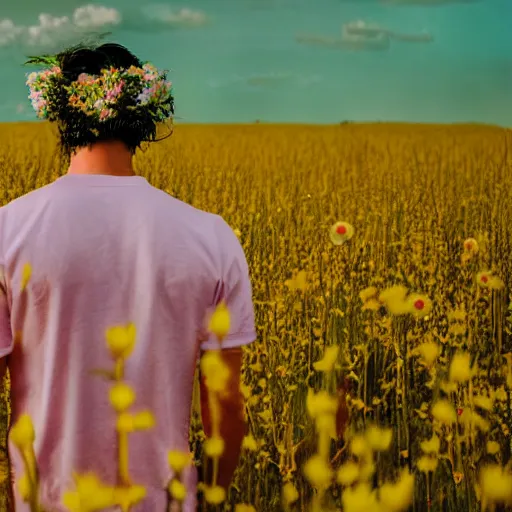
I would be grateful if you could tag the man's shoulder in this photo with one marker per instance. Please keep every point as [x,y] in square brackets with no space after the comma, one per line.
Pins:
[182,210]
[29,198]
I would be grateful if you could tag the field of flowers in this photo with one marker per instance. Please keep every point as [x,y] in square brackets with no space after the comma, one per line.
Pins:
[381,263]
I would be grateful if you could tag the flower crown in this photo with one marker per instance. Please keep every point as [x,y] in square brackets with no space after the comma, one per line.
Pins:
[103,96]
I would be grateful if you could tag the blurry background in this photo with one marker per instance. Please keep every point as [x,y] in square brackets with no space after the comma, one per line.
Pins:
[311,61]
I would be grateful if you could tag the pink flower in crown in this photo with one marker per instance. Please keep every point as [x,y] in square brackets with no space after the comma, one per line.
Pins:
[106,113]
[150,72]
[113,93]
[83,78]
[32,78]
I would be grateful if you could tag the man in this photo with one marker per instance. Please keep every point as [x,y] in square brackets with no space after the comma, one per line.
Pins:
[106,248]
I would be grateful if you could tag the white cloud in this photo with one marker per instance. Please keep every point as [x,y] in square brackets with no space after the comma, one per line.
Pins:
[9,32]
[52,31]
[186,17]
[165,16]
[96,16]
[361,35]
[49,30]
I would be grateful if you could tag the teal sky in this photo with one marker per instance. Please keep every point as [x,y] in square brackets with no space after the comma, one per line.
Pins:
[311,61]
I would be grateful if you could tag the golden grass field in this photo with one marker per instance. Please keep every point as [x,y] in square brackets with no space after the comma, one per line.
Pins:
[414,195]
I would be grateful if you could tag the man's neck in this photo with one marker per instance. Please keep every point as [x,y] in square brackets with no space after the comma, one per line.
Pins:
[111,157]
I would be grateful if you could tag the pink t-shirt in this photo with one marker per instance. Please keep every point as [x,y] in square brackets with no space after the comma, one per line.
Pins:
[107,251]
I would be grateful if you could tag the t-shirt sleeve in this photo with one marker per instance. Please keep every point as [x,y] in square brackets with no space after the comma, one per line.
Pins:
[234,288]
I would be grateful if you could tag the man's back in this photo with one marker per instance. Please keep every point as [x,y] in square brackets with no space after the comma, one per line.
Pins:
[105,251]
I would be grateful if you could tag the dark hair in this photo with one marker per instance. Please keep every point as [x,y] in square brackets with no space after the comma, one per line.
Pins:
[132,127]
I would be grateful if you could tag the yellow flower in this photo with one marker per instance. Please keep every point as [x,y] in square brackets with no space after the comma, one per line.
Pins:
[320,403]
[457,329]
[178,461]
[143,420]
[429,352]
[125,423]
[290,494]
[483,278]
[214,446]
[371,305]
[379,439]
[249,443]
[90,495]
[26,273]
[121,340]
[326,364]
[427,464]
[360,499]
[457,315]
[318,472]
[394,299]
[24,488]
[128,497]
[493,447]
[499,394]
[398,497]
[72,501]
[460,367]
[241,507]
[470,417]
[496,485]
[299,283]
[214,495]
[444,412]
[178,490]
[448,387]
[359,446]
[215,371]
[326,425]
[368,293]
[432,446]
[220,321]
[22,432]
[484,402]
[121,396]
[471,246]
[420,305]
[367,468]
[340,232]
[348,473]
